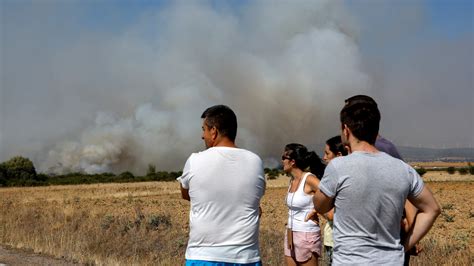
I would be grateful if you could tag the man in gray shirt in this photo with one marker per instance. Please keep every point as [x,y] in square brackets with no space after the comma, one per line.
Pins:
[368,189]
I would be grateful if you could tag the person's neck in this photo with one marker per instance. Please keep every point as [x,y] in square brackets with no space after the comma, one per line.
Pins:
[296,173]
[224,142]
[360,145]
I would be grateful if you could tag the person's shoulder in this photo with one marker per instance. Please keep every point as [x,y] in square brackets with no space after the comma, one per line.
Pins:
[250,155]
[339,159]
[200,155]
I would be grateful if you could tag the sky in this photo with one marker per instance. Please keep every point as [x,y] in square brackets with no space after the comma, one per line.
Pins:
[117,85]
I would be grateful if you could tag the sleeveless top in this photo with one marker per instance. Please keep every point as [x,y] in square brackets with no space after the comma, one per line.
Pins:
[300,205]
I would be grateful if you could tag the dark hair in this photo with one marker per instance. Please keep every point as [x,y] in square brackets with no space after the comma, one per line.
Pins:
[223,118]
[304,159]
[363,119]
[336,146]
[360,99]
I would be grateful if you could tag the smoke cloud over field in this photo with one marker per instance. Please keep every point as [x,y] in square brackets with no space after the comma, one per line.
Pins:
[80,98]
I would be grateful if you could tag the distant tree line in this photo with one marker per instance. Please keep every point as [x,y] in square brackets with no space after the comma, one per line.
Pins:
[469,169]
[20,171]
[461,170]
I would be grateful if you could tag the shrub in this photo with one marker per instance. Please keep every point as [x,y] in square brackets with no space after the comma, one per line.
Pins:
[463,171]
[126,175]
[448,218]
[272,173]
[157,220]
[421,171]
[471,169]
[447,206]
[3,175]
[451,170]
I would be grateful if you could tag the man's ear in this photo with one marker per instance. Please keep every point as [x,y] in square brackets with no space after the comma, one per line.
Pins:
[346,131]
[214,133]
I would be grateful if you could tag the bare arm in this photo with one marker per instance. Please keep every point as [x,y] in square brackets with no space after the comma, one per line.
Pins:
[428,212]
[410,214]
[184,193]
[329,215]
[322,203]
[313,183]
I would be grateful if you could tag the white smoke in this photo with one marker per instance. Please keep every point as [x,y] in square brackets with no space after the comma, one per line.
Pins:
[284,67]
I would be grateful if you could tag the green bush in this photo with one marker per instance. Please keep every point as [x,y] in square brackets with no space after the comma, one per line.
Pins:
[3,176]
[272,173]
[421,171]
[451,170]
[126,175]
[471,169]
[463,171]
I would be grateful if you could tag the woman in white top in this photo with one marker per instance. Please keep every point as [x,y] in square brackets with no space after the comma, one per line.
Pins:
[302,237]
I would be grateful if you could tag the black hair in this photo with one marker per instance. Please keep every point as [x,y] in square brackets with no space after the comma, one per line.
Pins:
[363,119]
[223,118]
[304,159]
[335,145]
[360,99]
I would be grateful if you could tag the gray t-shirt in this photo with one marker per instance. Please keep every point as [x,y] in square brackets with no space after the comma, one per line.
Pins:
[370,190]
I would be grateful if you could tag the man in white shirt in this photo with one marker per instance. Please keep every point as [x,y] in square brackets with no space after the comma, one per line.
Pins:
[224,185]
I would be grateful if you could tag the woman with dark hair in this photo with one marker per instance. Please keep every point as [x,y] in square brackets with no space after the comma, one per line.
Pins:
[334,148]
[303,236]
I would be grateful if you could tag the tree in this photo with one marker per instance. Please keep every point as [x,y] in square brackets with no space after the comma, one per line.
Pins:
[126,175]
[3,176]
[151,170]
[19,169]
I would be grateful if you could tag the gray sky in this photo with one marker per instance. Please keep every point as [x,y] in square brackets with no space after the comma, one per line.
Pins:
[112,86]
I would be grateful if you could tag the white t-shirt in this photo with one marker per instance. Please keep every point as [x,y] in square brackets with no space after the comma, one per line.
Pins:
[225,187]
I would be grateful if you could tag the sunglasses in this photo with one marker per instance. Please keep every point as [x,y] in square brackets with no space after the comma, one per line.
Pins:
[285,158]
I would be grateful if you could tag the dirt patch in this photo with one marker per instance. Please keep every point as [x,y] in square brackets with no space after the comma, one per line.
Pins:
[9,256]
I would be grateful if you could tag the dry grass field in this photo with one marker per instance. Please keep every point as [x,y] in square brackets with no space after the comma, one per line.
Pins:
[439,164]
[147,223]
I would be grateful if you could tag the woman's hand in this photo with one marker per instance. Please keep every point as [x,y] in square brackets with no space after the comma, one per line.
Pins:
[313,216]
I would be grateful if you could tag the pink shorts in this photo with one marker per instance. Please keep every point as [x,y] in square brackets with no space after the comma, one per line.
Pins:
[305,244]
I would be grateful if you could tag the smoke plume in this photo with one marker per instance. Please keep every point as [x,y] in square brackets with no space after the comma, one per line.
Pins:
[100,100]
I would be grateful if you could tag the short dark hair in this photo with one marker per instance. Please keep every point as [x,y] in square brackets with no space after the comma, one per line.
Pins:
[363,119]
[360,99]
[304,159]
[223,118]
[335,145]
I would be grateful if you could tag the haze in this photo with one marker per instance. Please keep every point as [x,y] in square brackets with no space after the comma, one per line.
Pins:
[111,86]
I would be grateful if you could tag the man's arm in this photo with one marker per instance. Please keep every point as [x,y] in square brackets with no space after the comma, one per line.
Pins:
[184,192]
[428,212]
[322,203]
[410,214]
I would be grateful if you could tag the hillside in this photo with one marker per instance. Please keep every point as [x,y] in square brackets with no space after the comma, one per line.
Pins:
[430,154]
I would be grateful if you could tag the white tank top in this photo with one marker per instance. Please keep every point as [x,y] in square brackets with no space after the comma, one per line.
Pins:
[299,205]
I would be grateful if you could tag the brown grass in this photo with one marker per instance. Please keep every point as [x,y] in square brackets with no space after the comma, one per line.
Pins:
[147,223]
[440,164]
